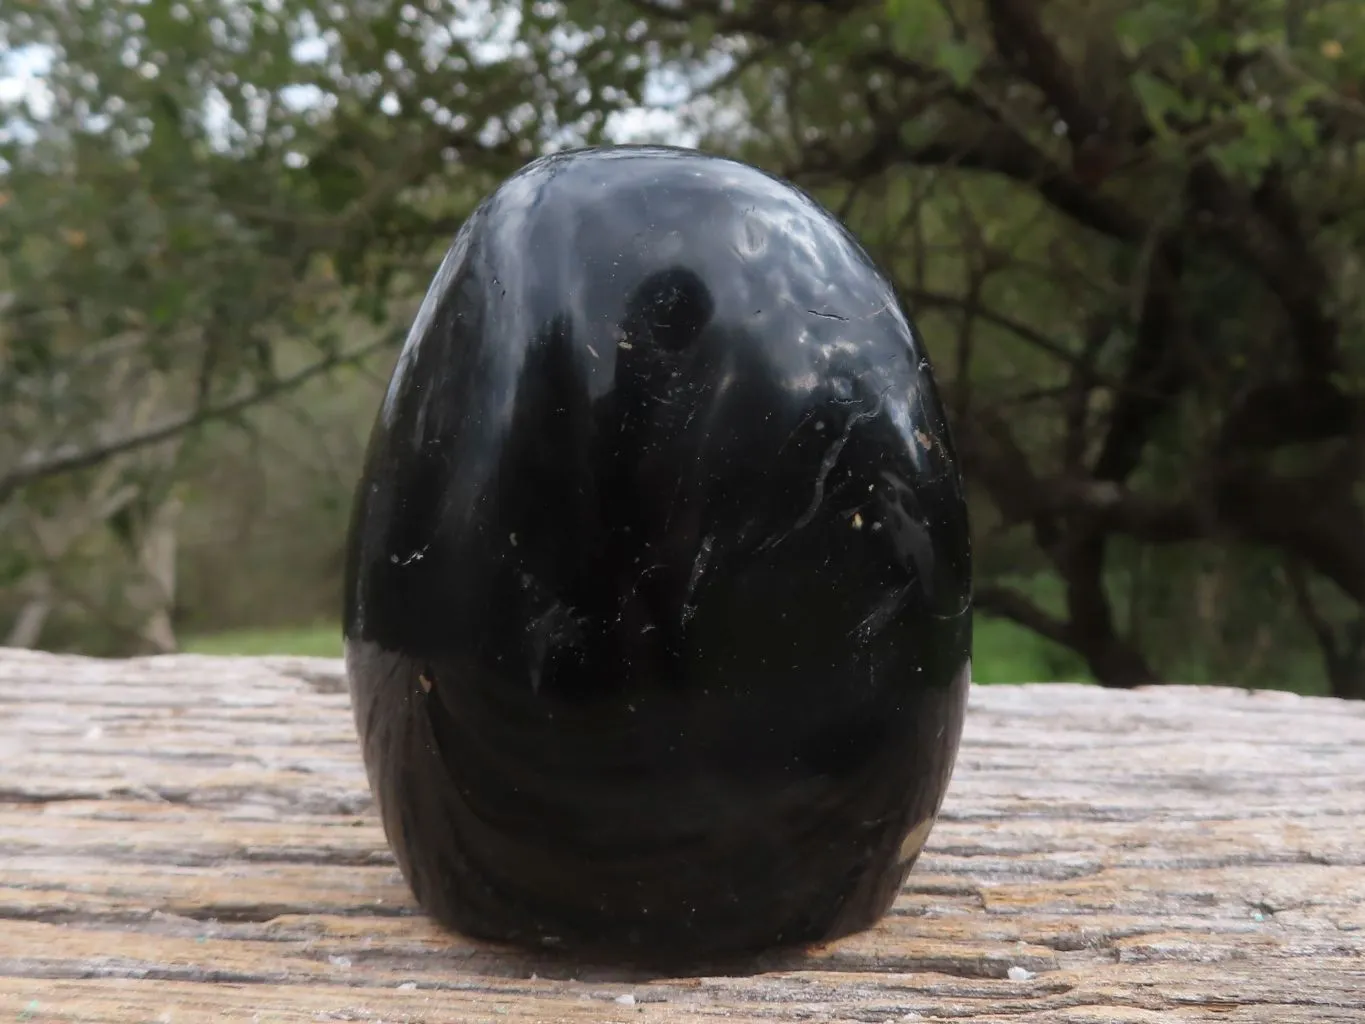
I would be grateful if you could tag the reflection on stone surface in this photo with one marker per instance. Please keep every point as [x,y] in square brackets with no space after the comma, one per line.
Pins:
[657,604]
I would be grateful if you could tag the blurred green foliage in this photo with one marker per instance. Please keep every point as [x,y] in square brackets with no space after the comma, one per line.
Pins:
[1130,231]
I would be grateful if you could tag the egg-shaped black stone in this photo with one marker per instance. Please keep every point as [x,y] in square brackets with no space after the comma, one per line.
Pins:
[658,597]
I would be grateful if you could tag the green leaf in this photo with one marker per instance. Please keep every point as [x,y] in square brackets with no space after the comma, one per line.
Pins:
[913,23]
[1244,159]
[960,60]
[1159,100]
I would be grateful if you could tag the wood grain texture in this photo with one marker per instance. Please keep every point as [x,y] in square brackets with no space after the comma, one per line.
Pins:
[189,839]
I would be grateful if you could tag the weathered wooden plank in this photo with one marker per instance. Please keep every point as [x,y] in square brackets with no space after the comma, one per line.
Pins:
[187,839]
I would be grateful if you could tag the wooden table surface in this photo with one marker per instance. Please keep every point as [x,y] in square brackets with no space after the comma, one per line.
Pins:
[191,839]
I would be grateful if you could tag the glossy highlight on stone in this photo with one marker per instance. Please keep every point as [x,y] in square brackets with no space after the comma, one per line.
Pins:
[658,593]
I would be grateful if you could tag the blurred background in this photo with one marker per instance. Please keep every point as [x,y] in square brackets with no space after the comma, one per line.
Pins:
[1129,230]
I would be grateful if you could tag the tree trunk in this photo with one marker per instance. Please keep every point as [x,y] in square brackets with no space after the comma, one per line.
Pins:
[157,559]
[28,624]
[1345,662]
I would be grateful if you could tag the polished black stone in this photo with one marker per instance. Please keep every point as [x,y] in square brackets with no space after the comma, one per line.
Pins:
[657,605]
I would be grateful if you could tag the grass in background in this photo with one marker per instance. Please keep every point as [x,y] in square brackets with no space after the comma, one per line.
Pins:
[1005,653]
[321,641]
[1002,652]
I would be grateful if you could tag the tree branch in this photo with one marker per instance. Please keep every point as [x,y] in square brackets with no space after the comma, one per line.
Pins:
[1342,656]
[1294,412]
[993,149]
[1313,517]
[927,299]
[1019,34]
[1007,603]
[70,458]
[1084,379]
[1308,609]
[1154,375]
[1264,233]
[991,455]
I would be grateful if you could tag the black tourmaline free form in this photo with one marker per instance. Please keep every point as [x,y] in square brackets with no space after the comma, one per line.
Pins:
[658,599]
